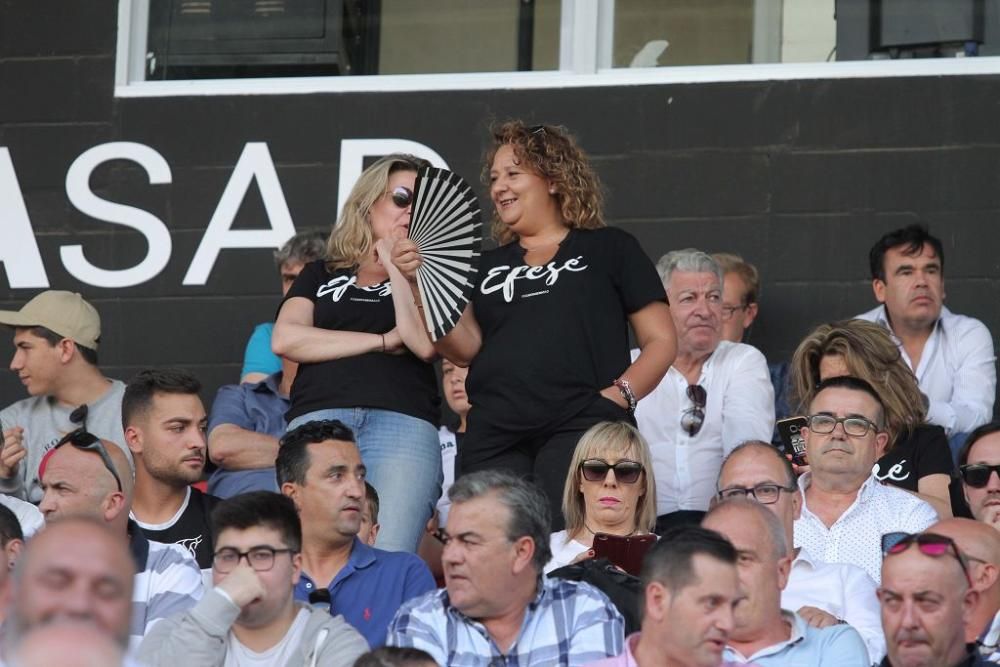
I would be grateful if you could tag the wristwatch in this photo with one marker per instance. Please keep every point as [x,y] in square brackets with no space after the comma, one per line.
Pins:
[626,389]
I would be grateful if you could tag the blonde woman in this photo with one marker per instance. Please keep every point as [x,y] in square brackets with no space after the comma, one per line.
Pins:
[610,489]
[362,357]
[917,457]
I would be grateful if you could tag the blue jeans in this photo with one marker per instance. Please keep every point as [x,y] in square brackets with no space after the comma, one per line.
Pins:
[403,457]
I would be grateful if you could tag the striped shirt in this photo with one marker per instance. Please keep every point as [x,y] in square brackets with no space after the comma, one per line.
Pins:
[167,582]
[568,623]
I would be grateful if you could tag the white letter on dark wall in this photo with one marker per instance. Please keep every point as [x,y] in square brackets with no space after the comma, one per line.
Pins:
[80,195]
[18,250]
[254,163]
[354,151]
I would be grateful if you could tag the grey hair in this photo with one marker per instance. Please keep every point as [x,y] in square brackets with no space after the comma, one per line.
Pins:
[689,260]
[778,540]
[528,506]
[304,247]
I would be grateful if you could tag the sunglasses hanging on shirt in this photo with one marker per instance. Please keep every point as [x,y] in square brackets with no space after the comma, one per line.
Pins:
[693,418]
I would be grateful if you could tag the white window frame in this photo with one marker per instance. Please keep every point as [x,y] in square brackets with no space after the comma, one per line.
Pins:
[585,35]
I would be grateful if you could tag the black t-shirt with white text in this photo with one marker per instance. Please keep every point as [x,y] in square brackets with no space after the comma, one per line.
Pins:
[191,529]
[923,451]
[401,383]
[555,335]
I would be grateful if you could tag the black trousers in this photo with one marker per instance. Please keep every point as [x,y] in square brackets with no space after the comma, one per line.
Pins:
[542,457]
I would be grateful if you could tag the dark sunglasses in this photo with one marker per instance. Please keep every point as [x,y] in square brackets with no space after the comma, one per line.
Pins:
[79,416]
[90,443]
[596,470]
[693,418]
[930,544]
[977,475]
[401,196]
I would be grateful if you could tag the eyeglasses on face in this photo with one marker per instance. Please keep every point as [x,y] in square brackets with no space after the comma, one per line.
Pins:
[977,475]
[261,559]
[693,418]
[855,426]
[401,196]
[89,442]
[596,470]
[765,494]
[930,544]
[729,311]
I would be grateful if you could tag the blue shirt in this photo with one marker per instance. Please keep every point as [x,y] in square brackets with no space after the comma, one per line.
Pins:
[371,587]
[568,623]
[256,407]
[833,646]
[258,357]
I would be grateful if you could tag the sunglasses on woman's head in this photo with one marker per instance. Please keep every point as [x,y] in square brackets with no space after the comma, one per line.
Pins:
[596,470]
[977,475]
[930,544]
[401,196]
[89,442]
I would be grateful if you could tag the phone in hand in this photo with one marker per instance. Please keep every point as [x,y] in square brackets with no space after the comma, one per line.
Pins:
[790,432]
[625,551]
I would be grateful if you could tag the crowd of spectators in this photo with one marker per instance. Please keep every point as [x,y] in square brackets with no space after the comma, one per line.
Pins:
[686,502]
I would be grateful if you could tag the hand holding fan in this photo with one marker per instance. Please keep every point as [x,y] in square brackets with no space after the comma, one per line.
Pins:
[446,225]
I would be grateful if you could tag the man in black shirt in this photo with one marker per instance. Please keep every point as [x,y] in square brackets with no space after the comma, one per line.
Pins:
[165,424]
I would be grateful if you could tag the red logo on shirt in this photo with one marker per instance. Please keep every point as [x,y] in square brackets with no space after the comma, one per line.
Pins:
[368,614]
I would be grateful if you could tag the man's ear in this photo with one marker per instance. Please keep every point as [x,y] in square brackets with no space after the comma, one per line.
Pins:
[969,604]
[796,504]
[291,489]
[881,442]
[988,573]
[12,552]
[374,531]
[133,438]
[67,350]
[749,315]
[657,600]
[114,504]
[784,569]
[878,287]
[524,552]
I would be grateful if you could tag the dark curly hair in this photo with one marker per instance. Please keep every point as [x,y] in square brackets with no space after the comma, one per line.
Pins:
[551,152]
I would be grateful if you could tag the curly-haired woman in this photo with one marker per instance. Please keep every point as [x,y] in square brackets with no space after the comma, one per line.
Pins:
[350,322]
[546,333]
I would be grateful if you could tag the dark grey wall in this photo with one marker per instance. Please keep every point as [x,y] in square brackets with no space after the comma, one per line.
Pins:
[800,177]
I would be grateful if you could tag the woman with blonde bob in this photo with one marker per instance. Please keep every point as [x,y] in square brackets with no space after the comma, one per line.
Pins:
[546,332]
[917,457]
[349,320]
[610,489]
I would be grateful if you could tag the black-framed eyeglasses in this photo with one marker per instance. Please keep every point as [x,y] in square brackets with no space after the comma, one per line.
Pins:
[596,470]
[855,426]
[89,442]
[401,196]
[728,311]
[693,418]
[977,475]
[930,544]
[261,559]
[765,494]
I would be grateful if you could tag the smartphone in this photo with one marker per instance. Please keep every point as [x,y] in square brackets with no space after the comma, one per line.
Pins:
[626,552]
[790,432]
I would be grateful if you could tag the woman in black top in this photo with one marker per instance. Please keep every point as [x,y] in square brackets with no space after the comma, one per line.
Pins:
[350,322]
[917,458]
[546,334]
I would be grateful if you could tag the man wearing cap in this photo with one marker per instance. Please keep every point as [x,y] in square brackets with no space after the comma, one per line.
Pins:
[56,336]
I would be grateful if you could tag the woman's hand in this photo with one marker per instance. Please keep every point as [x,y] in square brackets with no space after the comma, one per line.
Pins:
[383,252]
[584,555]
[405,255]
[393,342]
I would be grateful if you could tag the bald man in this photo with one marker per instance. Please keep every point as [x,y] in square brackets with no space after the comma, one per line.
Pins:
[980,543]
[86,476]
[77,570]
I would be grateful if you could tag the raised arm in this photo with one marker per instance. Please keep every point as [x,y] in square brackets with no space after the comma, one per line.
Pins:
[295,336]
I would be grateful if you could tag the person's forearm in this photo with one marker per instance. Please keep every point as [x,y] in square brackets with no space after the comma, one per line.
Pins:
[409,317]
[306,344]
[233,448]
[650,366]
[462,343]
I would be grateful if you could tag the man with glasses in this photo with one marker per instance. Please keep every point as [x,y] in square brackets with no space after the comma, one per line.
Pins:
[251,617]
[83,475]
[319,467]
[845,509]
[715,395]
[497,608]
[979,468]
[823,594]
[56,336]
[926,599]
[763,633]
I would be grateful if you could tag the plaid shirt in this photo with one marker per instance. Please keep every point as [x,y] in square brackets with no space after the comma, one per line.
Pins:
[568,623]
